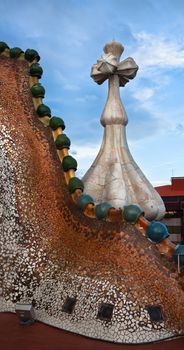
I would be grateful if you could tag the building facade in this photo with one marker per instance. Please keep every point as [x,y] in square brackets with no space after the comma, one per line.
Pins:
[173,197]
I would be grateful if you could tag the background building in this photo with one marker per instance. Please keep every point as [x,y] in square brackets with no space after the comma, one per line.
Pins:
[173,197]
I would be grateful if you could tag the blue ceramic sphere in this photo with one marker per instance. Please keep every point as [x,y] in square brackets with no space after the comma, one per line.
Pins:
[101,210]
[157,231]
[84,200]
[132,212]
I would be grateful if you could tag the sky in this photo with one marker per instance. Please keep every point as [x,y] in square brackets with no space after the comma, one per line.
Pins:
[70,35]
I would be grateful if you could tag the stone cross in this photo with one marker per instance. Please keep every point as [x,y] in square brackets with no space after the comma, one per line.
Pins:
[118,74]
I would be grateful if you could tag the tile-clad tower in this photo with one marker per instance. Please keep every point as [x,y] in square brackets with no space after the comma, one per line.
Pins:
[114,176]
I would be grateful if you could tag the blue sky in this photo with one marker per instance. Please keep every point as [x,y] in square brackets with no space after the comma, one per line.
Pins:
[69,36]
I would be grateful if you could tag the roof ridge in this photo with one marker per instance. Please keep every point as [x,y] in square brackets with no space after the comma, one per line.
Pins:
[155,231]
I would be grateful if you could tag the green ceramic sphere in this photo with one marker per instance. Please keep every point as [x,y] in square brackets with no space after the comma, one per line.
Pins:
[31,55]
[43,111]
[84,200]
[131,213]
[178,254]
[38,90]
[62,141]
[156,231]
[15,52]
[101,210]
[75,184]
[69,163]
[36,70]
[3,46]
[56,122]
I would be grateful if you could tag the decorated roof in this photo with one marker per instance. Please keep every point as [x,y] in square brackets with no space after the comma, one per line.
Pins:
[98,271]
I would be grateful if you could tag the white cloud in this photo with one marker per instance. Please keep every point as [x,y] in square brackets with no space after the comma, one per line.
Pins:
[157,56]
[71,87]
[86,98]
[87,151]
[67,84]
[143,94]
[85,156]
[153,50]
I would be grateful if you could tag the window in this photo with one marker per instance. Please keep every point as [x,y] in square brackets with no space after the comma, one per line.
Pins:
[105,312]
[69,305]
[155,313]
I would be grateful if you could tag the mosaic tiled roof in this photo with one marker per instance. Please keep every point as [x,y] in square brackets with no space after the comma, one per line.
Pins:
[94,270]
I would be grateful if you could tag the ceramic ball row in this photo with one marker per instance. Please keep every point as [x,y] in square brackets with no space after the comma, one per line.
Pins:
[68,163]
[38,91]
[30,54]
[101,210]
[61,142]
[156,231]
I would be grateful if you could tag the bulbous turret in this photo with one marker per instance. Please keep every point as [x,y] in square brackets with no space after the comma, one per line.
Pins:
[114,176]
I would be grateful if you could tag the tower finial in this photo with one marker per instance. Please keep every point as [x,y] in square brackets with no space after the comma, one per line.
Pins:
[114,176]
[115,48]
